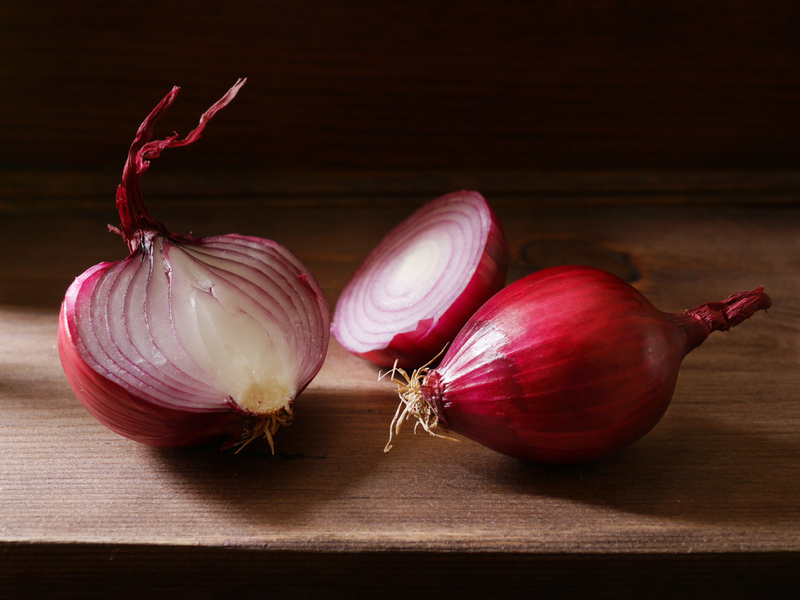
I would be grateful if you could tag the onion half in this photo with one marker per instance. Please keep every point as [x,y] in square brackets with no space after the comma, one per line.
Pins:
[188,340]
[412,294]
[564,366]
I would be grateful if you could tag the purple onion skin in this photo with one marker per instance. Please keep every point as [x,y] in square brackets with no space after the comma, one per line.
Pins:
[570,364]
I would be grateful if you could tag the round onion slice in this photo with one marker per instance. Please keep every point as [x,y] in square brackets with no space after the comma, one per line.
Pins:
[187,340]
[417,288]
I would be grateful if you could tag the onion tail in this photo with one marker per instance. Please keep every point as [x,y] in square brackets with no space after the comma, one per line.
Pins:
[721,316]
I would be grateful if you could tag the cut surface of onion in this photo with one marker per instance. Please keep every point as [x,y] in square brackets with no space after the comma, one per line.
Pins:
[418,287]
[564,366]
[191,339]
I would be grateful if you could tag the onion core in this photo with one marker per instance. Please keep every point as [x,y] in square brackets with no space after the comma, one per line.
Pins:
[566,365]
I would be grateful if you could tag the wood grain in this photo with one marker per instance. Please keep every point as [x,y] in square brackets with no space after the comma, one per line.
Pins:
[706,505]
[398,85]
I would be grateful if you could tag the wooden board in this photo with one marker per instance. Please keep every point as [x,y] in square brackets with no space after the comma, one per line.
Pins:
[707,504]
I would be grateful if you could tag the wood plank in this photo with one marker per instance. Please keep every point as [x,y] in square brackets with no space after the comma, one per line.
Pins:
[36,189]
[711,495]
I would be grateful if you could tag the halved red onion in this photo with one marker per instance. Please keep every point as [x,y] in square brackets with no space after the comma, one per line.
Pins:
[188,340]
[417,288]
[566,365]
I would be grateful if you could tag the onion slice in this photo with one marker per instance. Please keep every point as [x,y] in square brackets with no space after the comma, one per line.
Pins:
[413,293]
[190,339]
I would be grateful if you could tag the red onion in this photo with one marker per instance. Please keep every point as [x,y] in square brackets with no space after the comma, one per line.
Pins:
[190,339]
[566,365]
[418,287]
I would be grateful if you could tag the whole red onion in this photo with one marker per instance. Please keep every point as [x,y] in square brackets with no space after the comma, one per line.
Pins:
[566,365]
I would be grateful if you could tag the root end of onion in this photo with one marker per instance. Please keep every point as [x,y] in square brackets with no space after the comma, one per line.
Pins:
[413,403]
[265,425]
[264,398]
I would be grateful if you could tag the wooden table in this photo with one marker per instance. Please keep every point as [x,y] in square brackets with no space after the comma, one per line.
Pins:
[706,505]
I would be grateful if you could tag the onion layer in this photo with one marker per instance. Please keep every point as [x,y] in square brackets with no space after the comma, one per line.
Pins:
[417,288]
[566,365]
[188,340]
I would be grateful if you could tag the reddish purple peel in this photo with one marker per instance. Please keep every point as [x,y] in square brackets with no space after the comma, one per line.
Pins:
[568,365]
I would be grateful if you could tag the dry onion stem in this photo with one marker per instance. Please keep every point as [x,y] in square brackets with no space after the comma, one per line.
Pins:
[412,402]
[266,425]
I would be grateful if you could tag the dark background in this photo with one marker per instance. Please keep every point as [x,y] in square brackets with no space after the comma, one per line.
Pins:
[365,85]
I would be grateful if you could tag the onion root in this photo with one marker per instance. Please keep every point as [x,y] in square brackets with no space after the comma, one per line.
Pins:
[413,403]
[266,425]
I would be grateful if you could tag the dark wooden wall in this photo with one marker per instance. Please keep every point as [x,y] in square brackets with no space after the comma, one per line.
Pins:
[398,84]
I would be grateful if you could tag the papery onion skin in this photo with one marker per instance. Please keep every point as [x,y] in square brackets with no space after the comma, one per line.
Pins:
[569,365]
[434,325]
[168,346]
